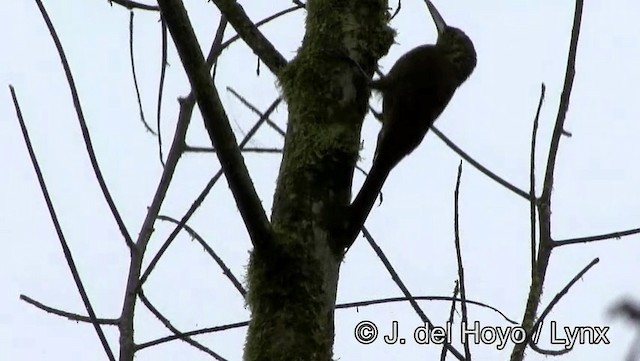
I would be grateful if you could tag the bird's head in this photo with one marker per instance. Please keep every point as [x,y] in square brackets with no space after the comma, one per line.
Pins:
[455,44]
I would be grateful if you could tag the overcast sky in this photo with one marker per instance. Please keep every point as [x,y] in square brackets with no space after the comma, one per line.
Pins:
[519,46]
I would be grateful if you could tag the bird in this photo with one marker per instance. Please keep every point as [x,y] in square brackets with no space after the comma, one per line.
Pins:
[415,92]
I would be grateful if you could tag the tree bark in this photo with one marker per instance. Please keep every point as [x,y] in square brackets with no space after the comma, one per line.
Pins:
[293,279]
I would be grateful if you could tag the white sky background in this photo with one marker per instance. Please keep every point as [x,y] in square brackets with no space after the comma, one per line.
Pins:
[519,46]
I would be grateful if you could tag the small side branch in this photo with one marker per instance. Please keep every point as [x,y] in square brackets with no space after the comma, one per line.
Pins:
[422,298]
[452,312]
[484,170]
[600,237]
[260,23]
[249,32]
[405,290]
[561,294]
[227,272]
[564,102]
[135,77]
[175,331]
[163,70]
[70,315]
[463,292]
[532,181]
[192,333]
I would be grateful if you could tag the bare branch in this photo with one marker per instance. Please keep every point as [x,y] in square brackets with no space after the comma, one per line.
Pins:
[192,333]
[405,290]
[163,71]
[135,78]
[71,316]
[255,110]
[561,294]
[54,218]
[177,332]
[452,311]
[227,272]
[216,121]
[600,237]
[463,293]
[422,298]
[262,22]
[532,181]
[127,345]
[272,124]
[479,166]
[564,104]
[84,129]
[397,11]
[249,32]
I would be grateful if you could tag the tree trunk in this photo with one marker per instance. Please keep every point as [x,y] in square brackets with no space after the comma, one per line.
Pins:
[293,279]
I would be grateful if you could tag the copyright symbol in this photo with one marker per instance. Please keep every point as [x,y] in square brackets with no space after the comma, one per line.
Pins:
[366,332]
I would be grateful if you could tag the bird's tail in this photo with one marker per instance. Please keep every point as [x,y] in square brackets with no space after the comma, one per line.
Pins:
[362,204]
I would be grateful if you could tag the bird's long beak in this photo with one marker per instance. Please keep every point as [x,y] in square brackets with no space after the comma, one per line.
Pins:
[437,18]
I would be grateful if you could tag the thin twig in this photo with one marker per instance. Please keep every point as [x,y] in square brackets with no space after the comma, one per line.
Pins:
[71,316]
[422,298]
[248,31]
[227,272]
[259,24]
[600,237]
[192,333]
[563,292]
[273,125]
[564,103]
[255,110]
[175,331]
[397,11]
[54,218]
[532,180]
[479,166]
[85,129]
[163,71]
[135,78]
[452,312]
[405,290]
[456,226]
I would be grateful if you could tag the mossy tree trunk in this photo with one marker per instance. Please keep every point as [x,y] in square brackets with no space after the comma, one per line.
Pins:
[293,279]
